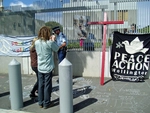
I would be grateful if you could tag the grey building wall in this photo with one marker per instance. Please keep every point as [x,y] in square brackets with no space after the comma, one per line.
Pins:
[132,17]
[1,5]
[19,24]
[38,25]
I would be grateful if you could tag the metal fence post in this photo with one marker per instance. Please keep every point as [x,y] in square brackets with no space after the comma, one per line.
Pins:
[15,85]
[115,14]
[65,87]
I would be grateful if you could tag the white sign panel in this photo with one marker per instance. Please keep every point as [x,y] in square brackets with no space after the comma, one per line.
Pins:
[15,46]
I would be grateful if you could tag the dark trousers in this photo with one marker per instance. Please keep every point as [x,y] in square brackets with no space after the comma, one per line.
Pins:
[61,55]
[35,87]
[45,88]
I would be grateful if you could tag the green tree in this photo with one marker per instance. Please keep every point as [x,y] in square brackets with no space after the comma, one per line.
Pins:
[52,24]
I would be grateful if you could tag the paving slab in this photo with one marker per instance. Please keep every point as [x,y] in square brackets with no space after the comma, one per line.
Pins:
[11,111]
[88,96]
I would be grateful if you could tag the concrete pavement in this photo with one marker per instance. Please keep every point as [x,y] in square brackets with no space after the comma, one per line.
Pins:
[11,111]
[88,96]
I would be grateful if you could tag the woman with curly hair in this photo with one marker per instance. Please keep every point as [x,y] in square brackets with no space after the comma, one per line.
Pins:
[45,46]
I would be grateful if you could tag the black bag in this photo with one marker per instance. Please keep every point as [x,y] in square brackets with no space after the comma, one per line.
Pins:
[63,48]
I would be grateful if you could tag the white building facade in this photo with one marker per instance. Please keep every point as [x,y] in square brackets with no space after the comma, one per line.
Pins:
[126,11]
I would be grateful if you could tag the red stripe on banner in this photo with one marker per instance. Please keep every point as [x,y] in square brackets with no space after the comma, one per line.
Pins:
[103,51]
[105,22]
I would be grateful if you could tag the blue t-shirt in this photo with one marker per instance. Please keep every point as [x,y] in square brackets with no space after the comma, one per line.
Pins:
[61,38]
[44,52]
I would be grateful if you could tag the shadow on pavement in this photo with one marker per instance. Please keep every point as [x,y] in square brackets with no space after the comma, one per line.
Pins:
[4,94]
[29,102]
[76,93]
[107,81]
[35,100]
[84,104]
[56,102]
[55,88]
[81,91]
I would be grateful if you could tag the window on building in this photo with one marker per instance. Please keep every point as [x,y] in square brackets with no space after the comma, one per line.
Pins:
[112,15]
[122,15]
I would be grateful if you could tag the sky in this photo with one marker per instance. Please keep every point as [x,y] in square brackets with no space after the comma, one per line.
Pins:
[25,3]
[17,2]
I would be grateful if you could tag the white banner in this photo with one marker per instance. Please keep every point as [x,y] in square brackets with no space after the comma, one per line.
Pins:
[15,46]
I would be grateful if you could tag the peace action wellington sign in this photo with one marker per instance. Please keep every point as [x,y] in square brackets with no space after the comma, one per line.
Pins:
[130,57]
[104,23]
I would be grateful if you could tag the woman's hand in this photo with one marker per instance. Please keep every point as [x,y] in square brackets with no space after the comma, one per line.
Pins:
[52,38]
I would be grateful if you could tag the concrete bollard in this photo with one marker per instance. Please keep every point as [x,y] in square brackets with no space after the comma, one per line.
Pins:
[15,85]
[65,87]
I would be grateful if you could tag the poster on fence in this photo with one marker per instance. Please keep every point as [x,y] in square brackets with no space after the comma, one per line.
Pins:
[15,46]
[81,28]
[130,56]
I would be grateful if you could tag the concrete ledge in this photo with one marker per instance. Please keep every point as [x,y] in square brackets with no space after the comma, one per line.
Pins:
[12,111]
[85,63]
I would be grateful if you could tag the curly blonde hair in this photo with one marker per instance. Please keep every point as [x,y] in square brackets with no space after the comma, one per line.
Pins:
[33,43]
[45,33]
